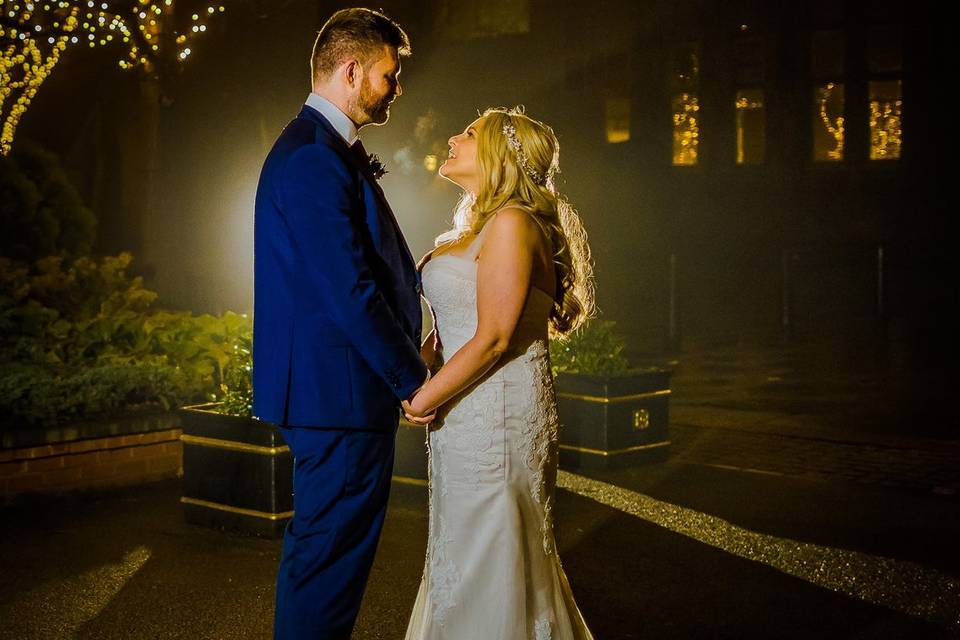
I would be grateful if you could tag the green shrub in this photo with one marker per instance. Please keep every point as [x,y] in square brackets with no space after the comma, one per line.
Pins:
[81,339]
[38,396]
[41,212]
[237,386]
[594,349]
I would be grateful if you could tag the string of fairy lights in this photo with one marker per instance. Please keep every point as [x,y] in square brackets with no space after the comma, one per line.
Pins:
[833,126]
[34,35]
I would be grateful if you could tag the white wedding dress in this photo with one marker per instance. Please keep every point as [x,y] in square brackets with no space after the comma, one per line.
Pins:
[492,571]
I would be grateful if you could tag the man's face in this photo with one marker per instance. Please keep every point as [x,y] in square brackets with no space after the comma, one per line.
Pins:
[379,87]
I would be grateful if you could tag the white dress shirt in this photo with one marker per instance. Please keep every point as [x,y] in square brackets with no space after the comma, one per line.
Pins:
[340,121]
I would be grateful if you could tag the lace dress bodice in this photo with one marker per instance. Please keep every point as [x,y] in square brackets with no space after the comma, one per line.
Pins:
[450,284]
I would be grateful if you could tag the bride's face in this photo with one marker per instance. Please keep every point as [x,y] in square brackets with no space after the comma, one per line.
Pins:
[461,165]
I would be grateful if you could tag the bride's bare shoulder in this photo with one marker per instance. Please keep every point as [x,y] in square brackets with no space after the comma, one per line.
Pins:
[516,226]
[512,221]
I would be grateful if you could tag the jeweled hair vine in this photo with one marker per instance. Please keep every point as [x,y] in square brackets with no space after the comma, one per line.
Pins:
[514,143]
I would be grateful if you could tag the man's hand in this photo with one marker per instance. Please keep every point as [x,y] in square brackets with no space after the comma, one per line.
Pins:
[413,413]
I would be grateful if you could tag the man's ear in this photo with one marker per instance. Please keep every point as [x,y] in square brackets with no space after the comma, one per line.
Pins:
[352,72]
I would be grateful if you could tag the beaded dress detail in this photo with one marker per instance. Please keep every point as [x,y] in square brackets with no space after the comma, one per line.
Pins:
[492,569]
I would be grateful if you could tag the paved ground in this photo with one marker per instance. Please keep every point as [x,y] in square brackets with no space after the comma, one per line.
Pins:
[676,550]
[793,510]
[840,409]
[844,387]
[924,467]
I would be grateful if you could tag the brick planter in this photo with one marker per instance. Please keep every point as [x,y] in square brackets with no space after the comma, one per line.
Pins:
[90,455]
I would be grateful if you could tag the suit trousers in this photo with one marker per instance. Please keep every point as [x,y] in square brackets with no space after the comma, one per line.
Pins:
[341,483]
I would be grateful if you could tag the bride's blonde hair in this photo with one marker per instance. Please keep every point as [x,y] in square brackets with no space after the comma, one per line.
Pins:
[518,170]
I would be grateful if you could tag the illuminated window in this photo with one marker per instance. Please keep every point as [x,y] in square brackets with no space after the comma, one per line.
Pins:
[885,63]
[686,129]
[618,119]
[685,104]
[750,124]
[828,122]
[827,56]
[885,105]
[751,140]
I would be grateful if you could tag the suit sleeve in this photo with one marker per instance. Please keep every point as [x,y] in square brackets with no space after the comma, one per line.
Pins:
[318,196]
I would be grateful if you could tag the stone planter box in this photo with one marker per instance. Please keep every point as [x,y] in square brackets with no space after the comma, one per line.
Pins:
[238,472]
[609,421]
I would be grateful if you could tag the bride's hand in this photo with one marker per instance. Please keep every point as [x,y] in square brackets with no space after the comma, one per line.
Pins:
[416,415]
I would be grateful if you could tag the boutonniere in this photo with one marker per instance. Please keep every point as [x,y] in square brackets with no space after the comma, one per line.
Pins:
[376,167]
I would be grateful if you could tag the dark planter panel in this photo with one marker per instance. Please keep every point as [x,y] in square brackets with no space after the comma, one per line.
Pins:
[237,472]
[611,421]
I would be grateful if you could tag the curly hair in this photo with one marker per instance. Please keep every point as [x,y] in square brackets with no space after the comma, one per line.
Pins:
[505,181]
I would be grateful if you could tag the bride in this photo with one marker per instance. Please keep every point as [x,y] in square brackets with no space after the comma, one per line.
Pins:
[514,271]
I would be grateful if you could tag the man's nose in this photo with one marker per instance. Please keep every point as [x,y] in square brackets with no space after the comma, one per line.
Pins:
[399,91]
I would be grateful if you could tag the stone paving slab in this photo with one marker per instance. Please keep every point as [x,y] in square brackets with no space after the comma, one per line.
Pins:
[800,425]
[930,467]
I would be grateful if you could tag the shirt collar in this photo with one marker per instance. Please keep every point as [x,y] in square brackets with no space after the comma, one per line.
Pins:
[340,121]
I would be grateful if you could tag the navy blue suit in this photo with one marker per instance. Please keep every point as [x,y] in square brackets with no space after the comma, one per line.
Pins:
[336,334]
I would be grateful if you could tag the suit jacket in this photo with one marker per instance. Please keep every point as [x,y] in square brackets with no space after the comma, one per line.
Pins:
[337,317]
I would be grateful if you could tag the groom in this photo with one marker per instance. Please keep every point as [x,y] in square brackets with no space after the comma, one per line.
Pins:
[336,324]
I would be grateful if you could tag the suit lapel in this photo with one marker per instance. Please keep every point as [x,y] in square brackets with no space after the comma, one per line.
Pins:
[337,140]
[384,205]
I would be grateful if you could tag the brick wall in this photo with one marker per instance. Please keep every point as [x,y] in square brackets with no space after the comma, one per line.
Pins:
[94,462]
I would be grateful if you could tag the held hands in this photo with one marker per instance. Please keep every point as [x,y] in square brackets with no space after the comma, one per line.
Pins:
[411,413]
[414,411]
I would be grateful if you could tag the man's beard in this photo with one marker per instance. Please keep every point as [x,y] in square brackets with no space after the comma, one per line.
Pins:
[377,110]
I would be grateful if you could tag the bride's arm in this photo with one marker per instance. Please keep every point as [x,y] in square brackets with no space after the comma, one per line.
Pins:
[504,274]
[428,350]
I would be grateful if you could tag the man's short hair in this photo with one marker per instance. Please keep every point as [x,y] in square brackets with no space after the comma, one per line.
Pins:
[360,33]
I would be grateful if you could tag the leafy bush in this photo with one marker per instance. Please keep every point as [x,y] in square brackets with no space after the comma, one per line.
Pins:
[237,385]
[40,396]
[595,349]
[82,340]
[41,213]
